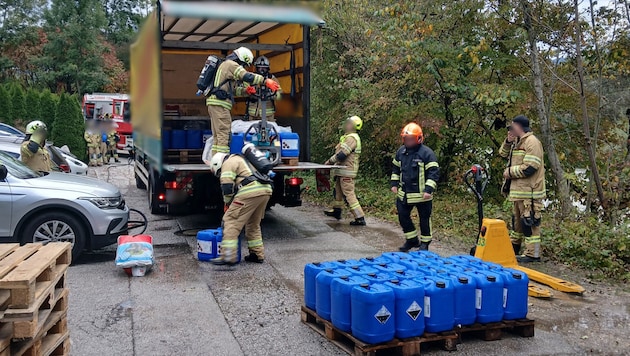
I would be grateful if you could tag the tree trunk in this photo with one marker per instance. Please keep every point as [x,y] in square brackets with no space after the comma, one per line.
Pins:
[585,122]
[545,126]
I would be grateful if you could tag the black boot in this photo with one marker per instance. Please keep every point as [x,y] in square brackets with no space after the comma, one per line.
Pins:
[358,222]
[334,212]
[517,248]
[424,246]
[527,259]
[252,257]
[409,244]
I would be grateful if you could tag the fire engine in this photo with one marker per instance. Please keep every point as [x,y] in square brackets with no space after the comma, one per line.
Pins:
[96,105]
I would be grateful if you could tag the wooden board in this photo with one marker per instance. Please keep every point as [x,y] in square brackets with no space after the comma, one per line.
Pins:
[47,342]
[183,156]
[28,329]
[291,161]
[494,331]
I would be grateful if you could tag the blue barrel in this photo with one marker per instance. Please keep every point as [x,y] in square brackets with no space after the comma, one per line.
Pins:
[466,258]
[349,263]
[209,245]
[376,260]
[424,254]
[390,267]
[206,135]
[236,143]
[340,310]
[408,311]
[515,286]
[311,271]
[322,290]
[439,302]
[178,139]
[397,256]
[289,144]
[414,264]
[361,270]
[488,296]
[166,139]
[376,278]
[407,274]
[464,292]
[194,139]
[373,319]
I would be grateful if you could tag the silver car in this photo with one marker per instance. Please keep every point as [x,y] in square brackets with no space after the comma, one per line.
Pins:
[44,207]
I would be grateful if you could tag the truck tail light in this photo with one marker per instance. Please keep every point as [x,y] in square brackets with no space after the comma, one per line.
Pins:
[294,181]
[170,185]
[161,197]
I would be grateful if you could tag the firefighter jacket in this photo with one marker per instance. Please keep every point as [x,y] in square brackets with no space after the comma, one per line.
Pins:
[92,139]
[347,154]
[38,161]
[253,107]
[526,167]
[233,172]
[227,73]
[415,172]
[111,138]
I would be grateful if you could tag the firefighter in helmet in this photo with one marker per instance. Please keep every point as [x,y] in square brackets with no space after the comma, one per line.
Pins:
[254,108]
[414,180]
[246,198]
[92,138]
[347,154]
[33,151]
[112,141]
[220,99]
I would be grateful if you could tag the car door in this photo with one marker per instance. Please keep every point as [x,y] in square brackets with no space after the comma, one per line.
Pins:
[6,208]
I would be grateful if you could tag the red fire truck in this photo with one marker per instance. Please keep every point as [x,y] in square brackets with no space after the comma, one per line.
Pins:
[96,105]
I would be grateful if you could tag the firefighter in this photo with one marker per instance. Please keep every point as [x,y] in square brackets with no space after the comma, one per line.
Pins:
[414,180]
[221,99]
[33,151]
[104,153]
[112,142]
[92,139]
[246,198]
[525,186]
[347,154]
[254,110]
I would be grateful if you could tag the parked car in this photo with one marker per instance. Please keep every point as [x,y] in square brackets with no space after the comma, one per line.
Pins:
[57,157]
[10,130]
[76,166]
[13,150]
[45,207]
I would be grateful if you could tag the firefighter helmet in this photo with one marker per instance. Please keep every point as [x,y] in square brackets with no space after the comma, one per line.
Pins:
[34,126]
[244,55]
[262,61]
[358,123]
[412,130]
[216,162]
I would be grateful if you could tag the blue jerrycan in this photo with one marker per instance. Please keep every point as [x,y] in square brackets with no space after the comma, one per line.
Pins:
[311,270]
[340,311]
[409,300]
[373,319]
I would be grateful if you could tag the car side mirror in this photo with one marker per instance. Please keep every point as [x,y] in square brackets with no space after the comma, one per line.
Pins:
[3,172]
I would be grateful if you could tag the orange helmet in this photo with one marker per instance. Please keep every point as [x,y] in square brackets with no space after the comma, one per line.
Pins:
[412,130]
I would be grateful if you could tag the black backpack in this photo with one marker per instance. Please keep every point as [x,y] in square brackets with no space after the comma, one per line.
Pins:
[205,83]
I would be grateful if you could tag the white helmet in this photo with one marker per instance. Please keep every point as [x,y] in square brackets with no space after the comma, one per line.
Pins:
[217,161]
[245,55]
[34,126]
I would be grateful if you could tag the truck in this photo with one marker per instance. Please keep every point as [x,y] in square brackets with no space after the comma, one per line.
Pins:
[96,105]
[166,59]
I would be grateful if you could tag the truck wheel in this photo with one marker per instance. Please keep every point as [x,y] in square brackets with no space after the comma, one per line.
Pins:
[139,183]
[154,204]
[56,227]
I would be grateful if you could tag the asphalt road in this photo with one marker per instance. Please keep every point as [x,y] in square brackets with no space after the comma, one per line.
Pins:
[185,307]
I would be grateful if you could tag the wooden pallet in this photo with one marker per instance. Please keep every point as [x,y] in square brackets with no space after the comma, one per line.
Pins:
[27,328]
[291,161]
[53,339]
[353,346]
[494,331]
[183,156]
[28,272]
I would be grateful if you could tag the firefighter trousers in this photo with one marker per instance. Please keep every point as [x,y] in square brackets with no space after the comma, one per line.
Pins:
[523,209]
[245,213]
[270,117]
[344,188]
[93,152]
[424,212]
[221,125]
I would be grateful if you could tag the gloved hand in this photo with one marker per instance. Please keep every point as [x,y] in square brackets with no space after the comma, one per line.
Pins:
[33,146]
[38,138]
[272,85]
[250,90]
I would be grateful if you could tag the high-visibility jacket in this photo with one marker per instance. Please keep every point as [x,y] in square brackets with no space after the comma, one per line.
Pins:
[227,73]
[111,138]
[92,139]
[233,171]
[253,108]
[526,166]
[38,161]
[347,154]
[415,172]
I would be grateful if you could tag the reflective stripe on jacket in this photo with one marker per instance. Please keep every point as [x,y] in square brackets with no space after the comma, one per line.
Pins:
[233,171]
[350,146]
[415,172]
[526,165]
[228,72]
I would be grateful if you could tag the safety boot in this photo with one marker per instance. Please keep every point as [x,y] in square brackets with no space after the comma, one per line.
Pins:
[220,261]
[358,222]
[424,246]
[527,259]
[409,244]
[334,212]
[252,257]
[517,248]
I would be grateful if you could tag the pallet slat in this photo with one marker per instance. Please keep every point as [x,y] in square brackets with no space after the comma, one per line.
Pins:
[33,267]
[53,333]
[17,256]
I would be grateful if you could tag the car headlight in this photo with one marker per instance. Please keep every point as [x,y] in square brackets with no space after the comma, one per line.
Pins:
[104,203]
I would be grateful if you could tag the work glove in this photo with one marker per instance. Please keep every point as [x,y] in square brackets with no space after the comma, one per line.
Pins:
[250,90]
[272,85]
[33,146]
[39,138]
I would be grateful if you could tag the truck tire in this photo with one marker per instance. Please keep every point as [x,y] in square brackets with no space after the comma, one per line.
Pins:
[154,204]
[139,183]
[56,226]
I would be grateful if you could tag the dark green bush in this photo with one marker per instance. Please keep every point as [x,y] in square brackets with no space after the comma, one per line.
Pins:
[68,127]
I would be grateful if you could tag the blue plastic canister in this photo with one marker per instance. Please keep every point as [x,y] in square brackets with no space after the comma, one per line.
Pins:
[390,267]
[464,293]
[376,260]
[194,139]
[439,302]
[349,263]
[515,285]
[408,307]
[178,139]
[236,143]
[166,139]
[373,319]
[362,270]
[206,135]
[407,274]
[322,290]
[414,264]
[290,144]
[424,254]
[375,278]
[209,245]
[340,308]
[397,256]
[488,296]
[466,258]
[311,271]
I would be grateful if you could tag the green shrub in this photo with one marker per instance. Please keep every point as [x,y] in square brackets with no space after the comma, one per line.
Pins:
[68,127]
[18,106]
[32,104]
[47,108]
[5,106]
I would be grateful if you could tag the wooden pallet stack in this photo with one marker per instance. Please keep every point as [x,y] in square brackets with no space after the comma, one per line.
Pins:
[34,299]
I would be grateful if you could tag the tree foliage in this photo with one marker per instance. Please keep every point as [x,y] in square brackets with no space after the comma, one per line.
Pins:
[48,108]
[5,105]
[68,127]
[32,104]
[18,104]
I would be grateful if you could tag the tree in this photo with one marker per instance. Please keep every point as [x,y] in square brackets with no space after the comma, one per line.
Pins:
[32,104]
[48,108]
[5,106]
[123,22]
[68,127]
[18,105]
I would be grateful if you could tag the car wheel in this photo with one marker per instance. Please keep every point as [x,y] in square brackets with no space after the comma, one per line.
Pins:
[153,201]
[56,227]
[139,183]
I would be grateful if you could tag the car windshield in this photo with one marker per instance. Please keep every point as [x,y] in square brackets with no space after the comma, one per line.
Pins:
[10,130]
[17,168]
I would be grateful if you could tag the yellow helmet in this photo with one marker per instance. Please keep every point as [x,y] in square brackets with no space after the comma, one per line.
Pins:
[358,123]
[34,126]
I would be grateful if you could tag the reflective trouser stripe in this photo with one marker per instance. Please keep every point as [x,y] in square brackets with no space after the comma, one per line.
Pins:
[532,239]
[255,243]
[229,243]
[222,149]
[411,234]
